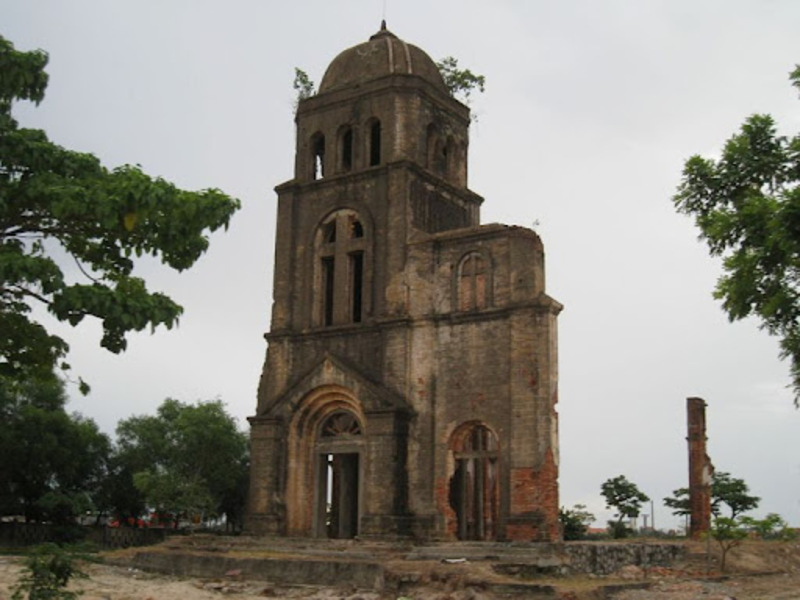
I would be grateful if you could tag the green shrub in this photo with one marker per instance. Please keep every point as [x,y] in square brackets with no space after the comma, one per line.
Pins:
[47,572]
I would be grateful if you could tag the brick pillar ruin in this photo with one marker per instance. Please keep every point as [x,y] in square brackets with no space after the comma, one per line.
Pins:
[700,469]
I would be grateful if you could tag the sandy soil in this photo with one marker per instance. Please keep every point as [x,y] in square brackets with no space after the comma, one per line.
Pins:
[756,570]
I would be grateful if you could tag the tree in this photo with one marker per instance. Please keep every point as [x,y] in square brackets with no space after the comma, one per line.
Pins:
[626,498]
[728,533]
[747,207]
[575,522]
[53,463]
[188,459]
[733,492]
[460,82]
[725,489]
[118,496]
[303,85]
[771,527]
[57,205]
[679,502]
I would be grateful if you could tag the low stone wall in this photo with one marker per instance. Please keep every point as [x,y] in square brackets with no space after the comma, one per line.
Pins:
[20,535]
[603,559]
[364,575]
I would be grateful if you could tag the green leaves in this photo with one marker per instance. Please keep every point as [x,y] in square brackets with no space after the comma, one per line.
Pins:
[460,82]
[725,489]
[747,208]
[47,572]
[53,462]
[56,202]
[303,85]
[188,459]
[624,496]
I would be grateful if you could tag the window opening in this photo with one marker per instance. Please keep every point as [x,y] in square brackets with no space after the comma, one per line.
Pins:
[356,285]
[347,150]
[328,290]
[450,157]
[318,156]
[329,232]
[472,283]
[356,229]
[375,144]
[340,291]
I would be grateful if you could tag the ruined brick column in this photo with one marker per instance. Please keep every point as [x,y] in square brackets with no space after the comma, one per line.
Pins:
[700,469]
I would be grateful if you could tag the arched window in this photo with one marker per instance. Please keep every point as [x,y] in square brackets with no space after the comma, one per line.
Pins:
[341,250]
[473,282]
[474,494]
[317,156]
[345,149]
[374,143]
[450,158]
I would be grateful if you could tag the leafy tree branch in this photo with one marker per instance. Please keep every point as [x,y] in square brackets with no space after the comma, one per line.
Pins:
[55,201]
[746,205]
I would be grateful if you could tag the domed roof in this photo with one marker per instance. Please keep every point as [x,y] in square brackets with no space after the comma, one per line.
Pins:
[384,54]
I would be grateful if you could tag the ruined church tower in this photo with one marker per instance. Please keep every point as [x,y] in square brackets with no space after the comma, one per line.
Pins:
[410,382]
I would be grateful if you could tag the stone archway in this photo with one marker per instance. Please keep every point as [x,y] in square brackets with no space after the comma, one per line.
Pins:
[326,462]
[474,486]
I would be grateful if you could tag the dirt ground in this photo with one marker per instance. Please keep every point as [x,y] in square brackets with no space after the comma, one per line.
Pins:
[768,570]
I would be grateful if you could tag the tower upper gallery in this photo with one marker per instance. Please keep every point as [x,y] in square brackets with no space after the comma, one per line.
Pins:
[382,102]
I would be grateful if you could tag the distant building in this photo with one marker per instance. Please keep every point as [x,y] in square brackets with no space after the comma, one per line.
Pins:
[410,382]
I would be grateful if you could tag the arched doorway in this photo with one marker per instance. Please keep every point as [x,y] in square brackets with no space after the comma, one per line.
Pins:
[338,452]
[326,463]
[474,485]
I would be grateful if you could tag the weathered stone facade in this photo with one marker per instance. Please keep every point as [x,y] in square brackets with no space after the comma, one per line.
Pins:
[410,381]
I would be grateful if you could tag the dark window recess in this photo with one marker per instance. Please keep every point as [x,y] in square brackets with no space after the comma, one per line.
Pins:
[356,229]
[329,232]
[357,289]
[375,144]
[318,151]
[327,298]
[347,150]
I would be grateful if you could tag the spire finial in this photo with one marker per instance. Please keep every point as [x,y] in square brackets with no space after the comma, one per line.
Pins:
[383,24]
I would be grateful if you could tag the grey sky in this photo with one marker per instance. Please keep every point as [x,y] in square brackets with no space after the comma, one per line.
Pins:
[590,110]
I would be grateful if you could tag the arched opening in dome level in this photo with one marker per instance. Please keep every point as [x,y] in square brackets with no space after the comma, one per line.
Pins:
[318,156]
[374,151]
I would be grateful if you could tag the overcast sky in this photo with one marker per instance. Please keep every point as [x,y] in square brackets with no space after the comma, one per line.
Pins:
[591,108]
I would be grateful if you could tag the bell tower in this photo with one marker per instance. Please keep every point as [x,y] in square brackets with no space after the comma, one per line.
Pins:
[378,248]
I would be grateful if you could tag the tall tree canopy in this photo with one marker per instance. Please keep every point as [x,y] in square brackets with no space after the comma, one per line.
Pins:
[187,459]
[56,205]
[52,464]
[725,489]
[626,498]
[747,207]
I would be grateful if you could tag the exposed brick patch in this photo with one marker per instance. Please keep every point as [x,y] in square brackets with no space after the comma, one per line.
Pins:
[535,491]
